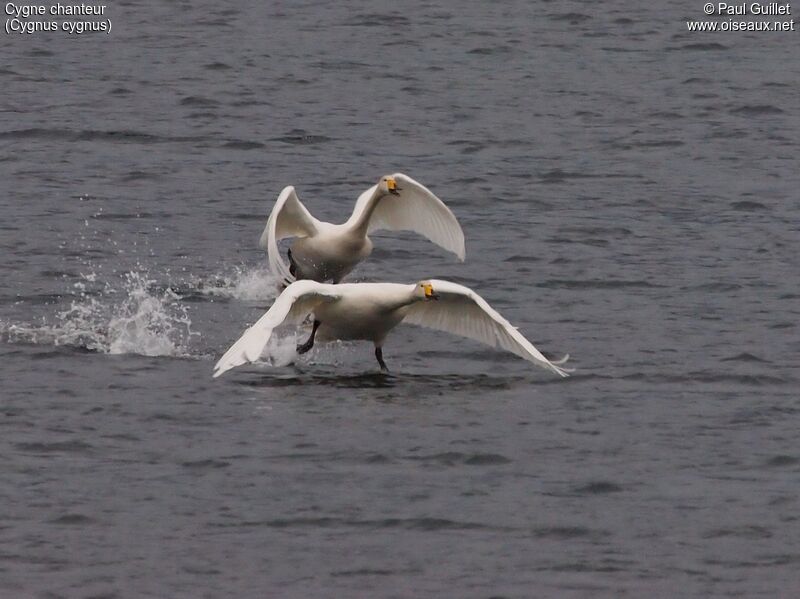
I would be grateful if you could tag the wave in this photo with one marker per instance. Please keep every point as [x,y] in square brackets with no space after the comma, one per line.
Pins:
[421,523]
[120,136]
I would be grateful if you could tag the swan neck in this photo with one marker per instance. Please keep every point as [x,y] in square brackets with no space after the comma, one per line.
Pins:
[361,225]
[413,297]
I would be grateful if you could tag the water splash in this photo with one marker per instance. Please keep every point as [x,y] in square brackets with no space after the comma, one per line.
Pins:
[281,351]
[148,323]
[138,318]
[246,284]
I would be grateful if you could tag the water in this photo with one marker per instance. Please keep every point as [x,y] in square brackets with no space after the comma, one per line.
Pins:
[628,193]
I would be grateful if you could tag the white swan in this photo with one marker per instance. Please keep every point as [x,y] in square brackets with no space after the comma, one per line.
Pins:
[324,251]
[369,311]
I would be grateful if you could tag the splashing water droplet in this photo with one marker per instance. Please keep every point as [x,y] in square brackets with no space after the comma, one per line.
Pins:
[249,285]
[282,351]
[147,323]
[144,321]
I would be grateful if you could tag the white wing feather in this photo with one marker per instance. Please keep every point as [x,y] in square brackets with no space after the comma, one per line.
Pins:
[289,218]
[461,311]
[416,209]
[290,307]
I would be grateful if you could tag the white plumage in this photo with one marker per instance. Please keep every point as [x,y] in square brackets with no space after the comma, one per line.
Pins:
[368,311]
[325,251]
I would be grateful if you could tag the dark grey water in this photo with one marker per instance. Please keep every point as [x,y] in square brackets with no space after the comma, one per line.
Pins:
[629,194]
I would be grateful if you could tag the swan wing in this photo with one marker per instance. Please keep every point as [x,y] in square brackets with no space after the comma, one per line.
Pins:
[416,209]
[290,307]
[461,311]
[289,218]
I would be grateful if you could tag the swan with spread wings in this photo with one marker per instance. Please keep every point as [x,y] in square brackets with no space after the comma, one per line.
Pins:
[328,252]
[369,311]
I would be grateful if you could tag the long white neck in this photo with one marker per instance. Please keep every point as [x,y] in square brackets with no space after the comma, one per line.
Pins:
[413,295]
[394,296]
[361,224]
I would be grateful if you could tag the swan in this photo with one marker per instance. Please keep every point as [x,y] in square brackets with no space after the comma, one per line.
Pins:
[368,311]
[324,251]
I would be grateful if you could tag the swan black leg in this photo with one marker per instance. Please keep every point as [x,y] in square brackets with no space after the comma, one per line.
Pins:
[293,270]
[379,355]
[301,349]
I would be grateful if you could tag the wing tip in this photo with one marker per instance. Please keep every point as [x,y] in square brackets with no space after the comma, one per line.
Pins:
[461,248]
[557,366]
[458,248]
[220,369]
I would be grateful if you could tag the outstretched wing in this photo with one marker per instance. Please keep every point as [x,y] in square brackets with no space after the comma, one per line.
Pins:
[461,311]
[416,209]
[289,218]
[292,306]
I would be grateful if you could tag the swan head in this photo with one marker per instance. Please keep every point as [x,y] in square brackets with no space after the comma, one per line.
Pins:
[424,290]
[388,185]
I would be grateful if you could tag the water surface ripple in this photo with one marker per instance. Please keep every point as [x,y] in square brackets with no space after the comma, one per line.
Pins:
[628,193]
